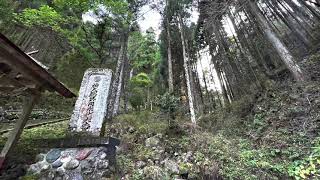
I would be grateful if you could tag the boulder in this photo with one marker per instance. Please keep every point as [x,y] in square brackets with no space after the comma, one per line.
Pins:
[171,166]
[71,164]
[83,154]
[152,142]
[53,155]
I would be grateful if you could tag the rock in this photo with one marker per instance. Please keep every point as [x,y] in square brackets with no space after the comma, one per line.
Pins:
[61,171]
[83,154]
[102,149]
[152,142]
[102,155]
[154,172]
[44,166]
[102,164]
[69,152]
[141,164]
[171,166]
[58,178]
[86,167]
[75,176]
[57,163]
[72,164]
[160,136]
[51,175]
[53,155]
[188,157]
[131,129]
[150,162]
[34,169]
[40,157]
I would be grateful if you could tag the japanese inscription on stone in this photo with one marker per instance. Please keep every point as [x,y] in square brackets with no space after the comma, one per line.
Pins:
[91,105]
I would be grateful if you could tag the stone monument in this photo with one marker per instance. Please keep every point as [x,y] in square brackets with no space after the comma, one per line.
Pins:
[83,155]
[91,106]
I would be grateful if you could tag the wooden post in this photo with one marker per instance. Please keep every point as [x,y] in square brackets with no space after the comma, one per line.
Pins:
[29,103]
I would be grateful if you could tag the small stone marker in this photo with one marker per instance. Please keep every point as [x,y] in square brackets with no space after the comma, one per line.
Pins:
[91,106]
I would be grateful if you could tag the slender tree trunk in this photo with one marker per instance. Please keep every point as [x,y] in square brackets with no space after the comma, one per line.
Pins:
[187,75]
[243,33]
[314,12]
[234,71]
[284,53]
[208,94]
[284,17]
[118,94]
[218,69]
[117,74]
[170,72]
[126,86]
[300,12]
[306,27]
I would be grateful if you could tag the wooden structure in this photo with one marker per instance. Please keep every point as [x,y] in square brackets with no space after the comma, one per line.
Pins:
[21,74]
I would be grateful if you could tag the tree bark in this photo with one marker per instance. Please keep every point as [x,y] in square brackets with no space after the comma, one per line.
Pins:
[314,12]
[186,69]
[284,53]
[117,74]
[119,90]
[170,72]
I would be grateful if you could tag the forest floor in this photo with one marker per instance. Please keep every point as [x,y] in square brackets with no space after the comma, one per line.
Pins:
[271,135]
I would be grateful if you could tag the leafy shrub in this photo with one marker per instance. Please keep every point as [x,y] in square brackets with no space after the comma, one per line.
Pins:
[141,80]
[137,98]
[167,103]
[139,87]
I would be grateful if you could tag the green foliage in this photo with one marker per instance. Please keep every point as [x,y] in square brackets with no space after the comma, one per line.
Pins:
[139,87]
[125,163]
[144,52]
[30,177]
[73,6]
[6,12]
[45,16]
[26,149]
[70,69]
[167,103]
[308,167]
[145,122]
[137,98]
[141,80]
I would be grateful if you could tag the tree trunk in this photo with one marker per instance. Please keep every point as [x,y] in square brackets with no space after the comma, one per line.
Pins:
[314,12]
[117,74]
[301,13]
[186,69]
[126,86]
[118,94]
[284,53]
[292,26]
[170,73]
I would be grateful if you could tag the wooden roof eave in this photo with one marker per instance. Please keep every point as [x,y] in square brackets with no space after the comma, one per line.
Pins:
[21,62]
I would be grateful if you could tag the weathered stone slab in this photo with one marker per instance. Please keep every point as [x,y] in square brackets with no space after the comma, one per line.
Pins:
[91,106]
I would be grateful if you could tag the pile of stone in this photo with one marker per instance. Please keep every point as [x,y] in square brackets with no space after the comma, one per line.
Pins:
[73,164]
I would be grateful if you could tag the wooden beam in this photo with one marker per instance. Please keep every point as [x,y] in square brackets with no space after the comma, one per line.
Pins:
[29,103]
[32,52]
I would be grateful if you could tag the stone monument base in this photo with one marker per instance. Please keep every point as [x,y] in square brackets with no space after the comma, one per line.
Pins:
[74,164]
